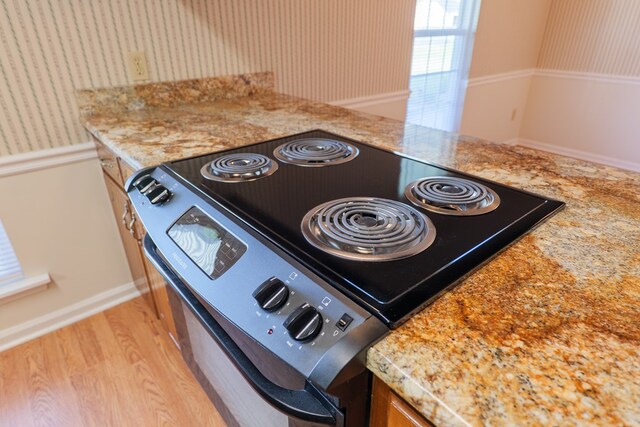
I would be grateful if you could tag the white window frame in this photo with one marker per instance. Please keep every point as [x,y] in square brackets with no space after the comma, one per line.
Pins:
[13,284]
[10,268]
[465,34]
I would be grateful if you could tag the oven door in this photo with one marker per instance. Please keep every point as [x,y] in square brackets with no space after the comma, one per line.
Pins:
[239,390]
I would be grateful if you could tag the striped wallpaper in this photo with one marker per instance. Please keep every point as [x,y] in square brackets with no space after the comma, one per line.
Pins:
[320,49]
[594,36]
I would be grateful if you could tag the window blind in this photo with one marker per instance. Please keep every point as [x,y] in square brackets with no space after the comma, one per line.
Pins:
[10,268]
[442,47]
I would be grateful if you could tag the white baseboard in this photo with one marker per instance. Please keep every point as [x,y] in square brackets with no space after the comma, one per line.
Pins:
[50,322]
[577,154]
[43,159]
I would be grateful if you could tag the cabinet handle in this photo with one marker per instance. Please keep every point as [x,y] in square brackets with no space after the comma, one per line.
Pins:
[133,221]
[125,213]
[106,164]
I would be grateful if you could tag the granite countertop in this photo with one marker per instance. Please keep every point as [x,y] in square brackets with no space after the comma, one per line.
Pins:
[548,333]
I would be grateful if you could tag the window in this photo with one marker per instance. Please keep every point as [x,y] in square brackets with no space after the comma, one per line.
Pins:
[10,269]
[442,47]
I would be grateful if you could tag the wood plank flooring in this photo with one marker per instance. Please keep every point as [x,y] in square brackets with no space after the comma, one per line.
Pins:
[117,368]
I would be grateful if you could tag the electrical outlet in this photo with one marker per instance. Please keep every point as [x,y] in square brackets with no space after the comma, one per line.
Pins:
[138,66]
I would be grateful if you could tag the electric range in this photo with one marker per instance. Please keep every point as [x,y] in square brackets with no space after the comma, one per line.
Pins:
[305,250]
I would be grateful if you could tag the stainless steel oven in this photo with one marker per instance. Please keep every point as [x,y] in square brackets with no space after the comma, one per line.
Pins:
[246,383]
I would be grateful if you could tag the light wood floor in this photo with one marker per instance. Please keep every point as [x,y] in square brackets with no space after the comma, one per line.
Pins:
[117,368]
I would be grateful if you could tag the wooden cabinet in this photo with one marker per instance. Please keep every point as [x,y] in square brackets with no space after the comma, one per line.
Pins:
[122,211]
[390,410]
[148,281]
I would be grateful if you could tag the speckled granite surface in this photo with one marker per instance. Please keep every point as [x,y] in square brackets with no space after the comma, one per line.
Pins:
[168,94]
[548,333]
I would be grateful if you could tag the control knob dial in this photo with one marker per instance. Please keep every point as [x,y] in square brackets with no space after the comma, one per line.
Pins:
[145,183]
[158,194]
[272,294]
[304,323]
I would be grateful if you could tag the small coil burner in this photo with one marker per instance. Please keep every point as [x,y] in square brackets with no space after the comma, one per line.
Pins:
[368,229]
[315,152]
[239,167]
[452,196]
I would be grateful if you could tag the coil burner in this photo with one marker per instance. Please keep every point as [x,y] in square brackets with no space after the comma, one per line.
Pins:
[452,196]
[315,152]
[368,229]
[239,167]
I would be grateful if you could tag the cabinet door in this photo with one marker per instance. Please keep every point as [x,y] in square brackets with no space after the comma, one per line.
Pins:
[123,212]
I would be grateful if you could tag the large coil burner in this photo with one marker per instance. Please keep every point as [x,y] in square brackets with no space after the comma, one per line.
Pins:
[368,229]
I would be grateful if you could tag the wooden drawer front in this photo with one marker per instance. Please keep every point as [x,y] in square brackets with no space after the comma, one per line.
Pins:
[390,410]
[109,163]
[125,170]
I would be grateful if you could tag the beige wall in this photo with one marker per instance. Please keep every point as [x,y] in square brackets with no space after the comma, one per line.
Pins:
[509,36]
[60,222]
[594,36]
[568,69]
[324,50]
[507,43]
[585,99]
[494,110]
[586,118]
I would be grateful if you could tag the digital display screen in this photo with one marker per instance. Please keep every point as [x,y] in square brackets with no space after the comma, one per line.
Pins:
[206,243]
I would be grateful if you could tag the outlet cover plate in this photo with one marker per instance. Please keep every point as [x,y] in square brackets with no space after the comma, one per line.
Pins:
[138,66]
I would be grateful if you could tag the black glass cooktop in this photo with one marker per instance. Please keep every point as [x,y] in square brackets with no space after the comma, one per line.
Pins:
[275,206]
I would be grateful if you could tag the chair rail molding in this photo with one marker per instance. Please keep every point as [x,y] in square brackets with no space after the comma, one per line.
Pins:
[594,77]
[497,78]
[368,101]
[48,158]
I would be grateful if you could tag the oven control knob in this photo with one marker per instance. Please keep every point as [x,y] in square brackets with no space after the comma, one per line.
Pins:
[144,183]
[272,294]
[158,195]
[304,323]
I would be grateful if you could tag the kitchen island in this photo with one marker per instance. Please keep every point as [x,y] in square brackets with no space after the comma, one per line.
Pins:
[547,333]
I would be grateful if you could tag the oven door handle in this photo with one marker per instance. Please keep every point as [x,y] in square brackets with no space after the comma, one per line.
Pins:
[304,404]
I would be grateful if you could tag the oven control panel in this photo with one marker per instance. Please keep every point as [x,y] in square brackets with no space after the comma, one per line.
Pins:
[297,315]
[211,247]
[262,290]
